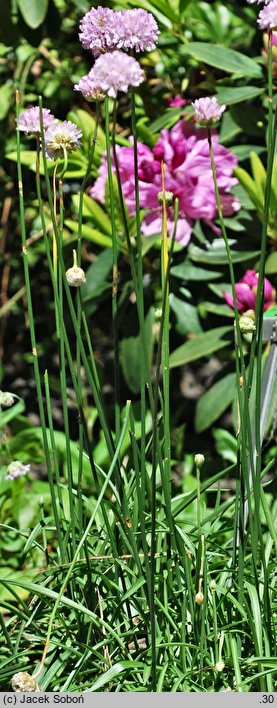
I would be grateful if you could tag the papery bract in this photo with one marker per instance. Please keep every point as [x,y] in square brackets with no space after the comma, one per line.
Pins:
[61,138]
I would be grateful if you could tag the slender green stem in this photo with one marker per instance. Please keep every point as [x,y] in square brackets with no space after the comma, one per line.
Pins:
[115,262]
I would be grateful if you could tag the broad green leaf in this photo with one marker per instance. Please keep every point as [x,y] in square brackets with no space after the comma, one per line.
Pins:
[215,253]
[228,60]
[90,233]
[214,402]
[93,209]
[250,187]
[33,11]
[86,123]
[97,280]
[6,98]
[187,318]
[187,271]
[243,151]
[200,346]
[76,167]
[259,175]
[226,444]
[130,354]
[230,95]
[271,263]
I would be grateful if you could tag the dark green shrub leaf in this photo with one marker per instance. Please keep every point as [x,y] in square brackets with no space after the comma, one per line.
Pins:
[228,60]
[214,402]
[33,11]
[200,346]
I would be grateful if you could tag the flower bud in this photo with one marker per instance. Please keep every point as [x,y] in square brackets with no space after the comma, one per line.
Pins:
[23,682]
[199,460]
[220,665]
[199,598]
[6,399]
[75,276]
[246,324]
[167,196]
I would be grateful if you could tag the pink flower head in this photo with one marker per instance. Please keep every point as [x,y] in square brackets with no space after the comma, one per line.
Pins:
[138,30]
[99,30]
[61,138]
[104,30]
[89,88]
[185,152]
[16,469]
[115,72]
[268,16]
[207,111]
[29,120]
[176,102]
[246,292]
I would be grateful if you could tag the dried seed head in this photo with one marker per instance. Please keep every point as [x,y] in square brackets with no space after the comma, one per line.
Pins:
[23,682]
[75,276]
[199,598]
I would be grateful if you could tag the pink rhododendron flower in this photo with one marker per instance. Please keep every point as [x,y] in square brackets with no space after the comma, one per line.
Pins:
[176,102]
[246,292]
[185,152]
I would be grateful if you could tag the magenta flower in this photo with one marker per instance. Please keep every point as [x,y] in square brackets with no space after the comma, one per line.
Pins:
[115,72]
[268,16]
[185,151]
[29,120]
[176,102]
[207,111]
[61,138]
[104,30]
[89,88]
[246,292]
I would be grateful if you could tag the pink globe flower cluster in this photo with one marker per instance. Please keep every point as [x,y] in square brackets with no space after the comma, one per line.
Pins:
[207,111]
[60,137]
[246,292]
[267,19]
[108,34]
[184,150]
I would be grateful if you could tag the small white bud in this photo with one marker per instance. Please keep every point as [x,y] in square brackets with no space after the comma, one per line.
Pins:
[23,682]
[246,324]
[168,196]
[220,665]
[75,276]
[6,399]
[199,460]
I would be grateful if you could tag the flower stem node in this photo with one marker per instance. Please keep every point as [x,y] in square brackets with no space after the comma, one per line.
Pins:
[199,460]
[23,682]
[199,598]
[168,196]
[75,276]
